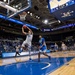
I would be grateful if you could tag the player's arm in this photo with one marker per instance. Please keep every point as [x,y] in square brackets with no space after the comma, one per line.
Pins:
[43,44]
[30,30]
[23,31]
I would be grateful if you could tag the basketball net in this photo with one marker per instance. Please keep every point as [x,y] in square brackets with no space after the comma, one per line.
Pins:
[23,16]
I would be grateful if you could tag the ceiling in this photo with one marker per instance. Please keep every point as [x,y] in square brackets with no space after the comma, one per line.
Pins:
[35,15]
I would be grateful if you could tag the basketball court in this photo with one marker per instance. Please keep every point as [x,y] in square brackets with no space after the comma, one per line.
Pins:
[21,18]
[60,64]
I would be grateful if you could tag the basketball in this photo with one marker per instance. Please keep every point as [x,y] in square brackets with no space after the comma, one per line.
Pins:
[24,26]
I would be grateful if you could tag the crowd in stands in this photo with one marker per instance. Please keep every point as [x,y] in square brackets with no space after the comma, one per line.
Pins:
[63,46]
[9,45]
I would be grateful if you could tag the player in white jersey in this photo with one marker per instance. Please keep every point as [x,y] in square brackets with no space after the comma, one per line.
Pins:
[28,42]
[29,36]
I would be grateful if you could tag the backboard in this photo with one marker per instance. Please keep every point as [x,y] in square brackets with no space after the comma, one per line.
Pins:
[15,7]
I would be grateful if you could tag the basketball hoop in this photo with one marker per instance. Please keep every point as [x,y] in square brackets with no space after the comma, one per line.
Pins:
[23,16]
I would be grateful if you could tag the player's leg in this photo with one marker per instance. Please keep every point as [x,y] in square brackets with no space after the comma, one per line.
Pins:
[56,49]
[24,46]
[15,54]
[39,54]
[18,53]
[29,49]
[39,57]
[44,53]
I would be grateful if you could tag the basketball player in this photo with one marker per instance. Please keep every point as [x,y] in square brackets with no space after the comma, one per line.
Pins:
[42,48]
[28,42]
[63,46]
[17,50]
[56,47]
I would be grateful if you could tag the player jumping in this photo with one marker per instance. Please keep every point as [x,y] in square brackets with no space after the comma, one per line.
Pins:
[28,42]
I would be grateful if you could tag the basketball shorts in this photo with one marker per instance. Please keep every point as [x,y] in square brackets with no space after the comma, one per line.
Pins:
[26,44]
[43,49]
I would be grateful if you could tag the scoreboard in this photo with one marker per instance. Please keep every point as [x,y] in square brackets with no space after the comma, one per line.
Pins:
[62,9]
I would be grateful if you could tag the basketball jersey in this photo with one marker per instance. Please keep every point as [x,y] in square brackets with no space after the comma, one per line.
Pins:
[41,41]
[63,45]
[29,38]
[17,49]
[56,46]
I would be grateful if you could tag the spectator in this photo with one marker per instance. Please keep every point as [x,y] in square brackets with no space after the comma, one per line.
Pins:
[63,46]
[56,47]
[17,50]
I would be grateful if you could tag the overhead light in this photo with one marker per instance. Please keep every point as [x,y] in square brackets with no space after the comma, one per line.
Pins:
[31,14]
[5,0]
[28,12]
[59,21]
[38,17]
[19,8]
[45,21]
[16,6]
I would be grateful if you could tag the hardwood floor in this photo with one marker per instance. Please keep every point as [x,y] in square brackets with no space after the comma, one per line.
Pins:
[67,69]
